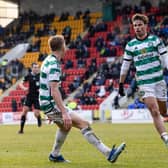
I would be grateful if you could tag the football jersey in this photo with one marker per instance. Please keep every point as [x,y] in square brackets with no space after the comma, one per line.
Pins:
[146,57]
[50,71]
[33,82]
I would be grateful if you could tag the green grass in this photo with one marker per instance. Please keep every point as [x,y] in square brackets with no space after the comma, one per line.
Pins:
[144,147]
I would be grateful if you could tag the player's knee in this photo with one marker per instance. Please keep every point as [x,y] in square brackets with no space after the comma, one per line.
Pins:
[36,113]
[85,124]
[62,128]
[25,109]
[155,112]
[82,124]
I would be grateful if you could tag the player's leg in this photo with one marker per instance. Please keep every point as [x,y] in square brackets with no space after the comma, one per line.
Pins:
[26,107]
[88,133]
[153,107]
[23,119]
[35,102]
[38,116]
[163,109]
[161,94]
[61,134]
[60,137]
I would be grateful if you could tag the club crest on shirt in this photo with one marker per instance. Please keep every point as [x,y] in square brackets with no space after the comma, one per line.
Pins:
[141,93]
[143,51]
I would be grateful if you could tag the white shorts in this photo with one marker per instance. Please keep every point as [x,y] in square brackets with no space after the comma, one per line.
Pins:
[56,116]
[157,90]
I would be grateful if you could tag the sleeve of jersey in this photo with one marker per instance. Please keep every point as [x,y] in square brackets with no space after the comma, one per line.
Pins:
[163,51]
[54,75]
[127,59]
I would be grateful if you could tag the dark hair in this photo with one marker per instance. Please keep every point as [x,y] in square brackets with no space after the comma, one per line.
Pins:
[56,42]
[141,17]
[34,63]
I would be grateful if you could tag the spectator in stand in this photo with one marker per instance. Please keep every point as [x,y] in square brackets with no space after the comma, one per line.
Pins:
[92,100]
[14,105]
[138,104]
[81,63]
[66,32]
[99,79]
[152,21]
[2,44]
[86,41]
[101,27]
[42,56]
[163,5]
[72,45]
[101,92]
[78,15]
[86,19]
[72,104]
[116,102]
[68,64]
[105,51]
[132,88]
[165,73]
[127,9]
[81,50]
[86,86]
[2,71]
[63,94]
[146,4]
[16,68]
[1,30]
[52,32]
[64,16]
[137,9]
[81,98]
[113,51]
[110,36]
[91,31]
[75,84]
[99,43]
[110,87]
[2,84]
[114,71]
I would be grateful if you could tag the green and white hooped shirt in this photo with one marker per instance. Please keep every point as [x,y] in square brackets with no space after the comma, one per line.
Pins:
[146,57]
[50,71]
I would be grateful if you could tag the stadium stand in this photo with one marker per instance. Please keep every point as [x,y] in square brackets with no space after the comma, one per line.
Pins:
[101,47]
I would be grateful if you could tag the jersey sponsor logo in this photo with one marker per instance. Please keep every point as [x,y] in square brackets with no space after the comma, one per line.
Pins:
[145,55]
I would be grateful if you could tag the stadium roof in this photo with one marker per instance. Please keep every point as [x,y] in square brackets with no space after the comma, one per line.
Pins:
[15,1]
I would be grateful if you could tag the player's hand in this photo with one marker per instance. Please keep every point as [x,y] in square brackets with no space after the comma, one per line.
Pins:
[67,120]
[121,89]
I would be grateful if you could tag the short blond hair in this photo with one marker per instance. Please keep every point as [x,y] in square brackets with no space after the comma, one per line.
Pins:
[56,42]
[141,17]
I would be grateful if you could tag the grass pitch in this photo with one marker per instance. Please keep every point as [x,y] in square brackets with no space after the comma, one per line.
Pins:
[30,150]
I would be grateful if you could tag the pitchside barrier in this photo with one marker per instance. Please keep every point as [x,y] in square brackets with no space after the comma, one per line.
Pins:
[14,117]
[131,116]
